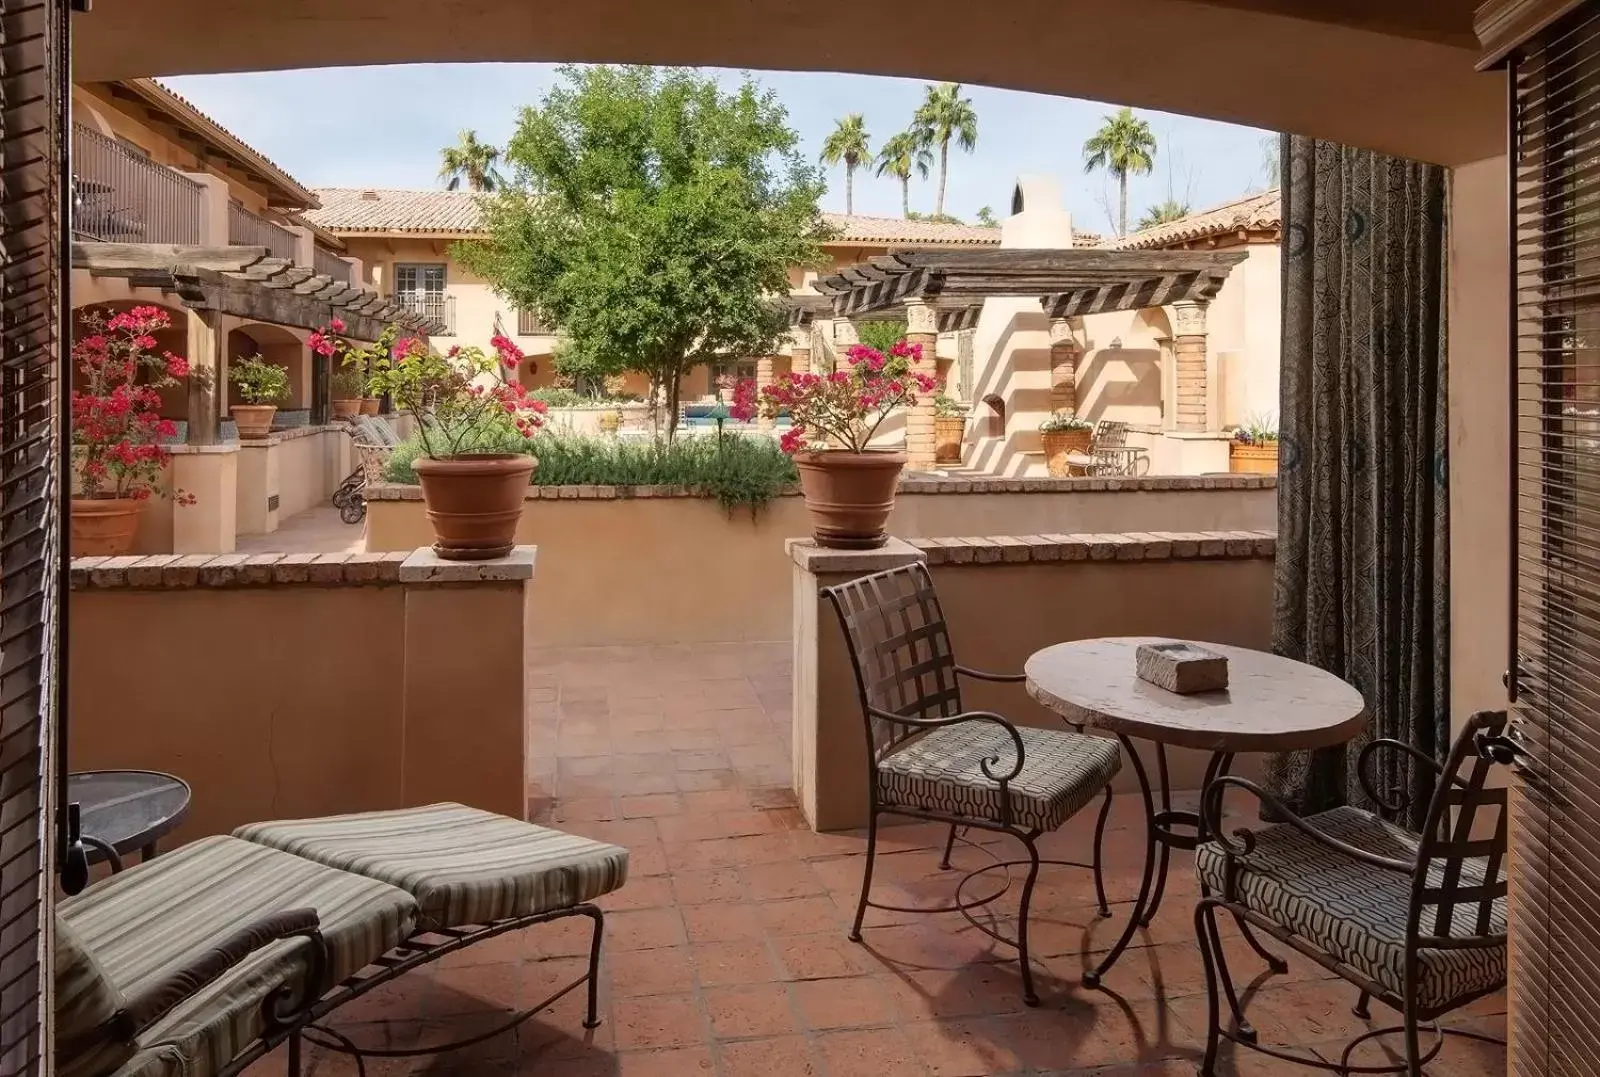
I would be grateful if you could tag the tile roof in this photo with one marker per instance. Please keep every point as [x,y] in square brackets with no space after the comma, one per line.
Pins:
[859,229]
[1252,212]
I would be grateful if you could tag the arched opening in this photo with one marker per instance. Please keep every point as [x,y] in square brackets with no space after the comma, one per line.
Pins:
[283,347]
[174,339]
[995,418]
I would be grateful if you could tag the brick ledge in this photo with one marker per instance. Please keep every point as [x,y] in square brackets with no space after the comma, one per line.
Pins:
[1132,546]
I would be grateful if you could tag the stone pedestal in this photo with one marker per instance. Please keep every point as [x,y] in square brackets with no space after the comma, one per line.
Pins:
[844,338]
[830,746]
[1064,356]
[211,474]
[1189,358]
[921,328]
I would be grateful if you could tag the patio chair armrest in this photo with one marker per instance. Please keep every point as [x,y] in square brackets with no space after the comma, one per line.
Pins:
[998,678]
[1243,842]
[1366,773]
[157,1000]
[985,765]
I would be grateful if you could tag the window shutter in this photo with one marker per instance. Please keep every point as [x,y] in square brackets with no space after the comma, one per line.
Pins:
[1554,100]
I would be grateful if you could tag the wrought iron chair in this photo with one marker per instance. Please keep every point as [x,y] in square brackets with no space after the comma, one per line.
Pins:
[930,758]
[1109,452]
[1417,921]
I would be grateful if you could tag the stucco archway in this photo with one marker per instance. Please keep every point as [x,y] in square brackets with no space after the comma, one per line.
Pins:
[275,344]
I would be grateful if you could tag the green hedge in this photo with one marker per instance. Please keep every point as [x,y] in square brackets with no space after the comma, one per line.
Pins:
[735,469]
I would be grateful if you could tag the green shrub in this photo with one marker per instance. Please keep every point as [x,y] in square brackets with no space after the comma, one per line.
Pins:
[734,469]
[558,397]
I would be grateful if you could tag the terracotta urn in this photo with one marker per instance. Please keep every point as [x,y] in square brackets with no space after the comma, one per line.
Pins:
[1060,444]
[347,409]
[104,526]
[253,420]
[947,434]
[610,421]
[474,502]
[1253,458]
[369,405]
[849,495]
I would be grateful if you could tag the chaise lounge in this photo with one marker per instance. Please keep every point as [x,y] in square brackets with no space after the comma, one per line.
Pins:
[202,960]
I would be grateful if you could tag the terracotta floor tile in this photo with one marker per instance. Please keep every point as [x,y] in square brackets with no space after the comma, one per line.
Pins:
[822,956]
[658,1021]
[749,1010]
[649,892]
[672,1062]
[746,961]
[709,886]
[645,929]
[715,800]
[961,1047]
[870,1052]
[783,1056]
[860,1002]
[699,781]
[802,916]
[667,970]
[721,923]
[795,879]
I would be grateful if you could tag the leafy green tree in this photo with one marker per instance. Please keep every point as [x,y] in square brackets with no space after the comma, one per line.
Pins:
[899,157]
[472,162]
[1123,146]
[944,115]
[881,334]
[656,216]
[1164,212]
[847,145]
[986,217]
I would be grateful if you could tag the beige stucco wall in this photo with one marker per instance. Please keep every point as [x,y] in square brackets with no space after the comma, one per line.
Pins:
[370,719]
[681,570]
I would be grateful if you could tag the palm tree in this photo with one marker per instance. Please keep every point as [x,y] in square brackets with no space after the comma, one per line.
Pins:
[898,157]
[1163,212]
[1123,146]
[944,115]
[848,145]
[472,161]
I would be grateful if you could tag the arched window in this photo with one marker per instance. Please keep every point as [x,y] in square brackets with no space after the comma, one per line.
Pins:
[997,416]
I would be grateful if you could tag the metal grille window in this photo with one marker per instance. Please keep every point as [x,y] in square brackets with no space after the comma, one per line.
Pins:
[414,279]
[1554,103]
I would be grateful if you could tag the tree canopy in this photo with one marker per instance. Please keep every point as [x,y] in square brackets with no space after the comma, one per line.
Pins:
[899,156]
[848,145]
[944,115]
[1123,146]
[1163,213]
[651,216]
[471,162]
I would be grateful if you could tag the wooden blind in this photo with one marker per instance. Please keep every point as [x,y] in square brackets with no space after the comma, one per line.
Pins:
[1554,101]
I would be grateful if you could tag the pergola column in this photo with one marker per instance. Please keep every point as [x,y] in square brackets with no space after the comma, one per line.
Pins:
[799,350]
[1189,356]
[205,347]
[764,379]
[1064,356]
[921,328]
[845,337]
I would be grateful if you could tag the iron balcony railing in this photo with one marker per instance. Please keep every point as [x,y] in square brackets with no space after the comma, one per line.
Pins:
[331,265]
[246,229]
[436,305]
[530,324]
[121,196]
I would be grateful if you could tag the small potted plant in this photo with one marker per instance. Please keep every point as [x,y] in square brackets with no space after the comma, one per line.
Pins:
[475,422]
[117,426]
[345,385]
[849,488]
[260,385]
[949,425]
[1064,434]
[1254,450]
[353,393]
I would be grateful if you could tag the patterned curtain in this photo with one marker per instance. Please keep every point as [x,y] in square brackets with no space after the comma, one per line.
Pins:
[1363,528]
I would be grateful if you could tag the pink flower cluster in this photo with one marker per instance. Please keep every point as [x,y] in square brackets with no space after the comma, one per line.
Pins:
[846,406]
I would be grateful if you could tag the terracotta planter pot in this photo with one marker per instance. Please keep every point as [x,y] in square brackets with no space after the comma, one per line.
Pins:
[474,502]
[369,405]
[947,434]
[849,495]
[104,526]
[347,409]
[610,422]
[253,420]
[1061,444]
[1253,459]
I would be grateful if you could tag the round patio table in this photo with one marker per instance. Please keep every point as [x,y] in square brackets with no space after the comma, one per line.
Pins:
[125,810]
[1271,704]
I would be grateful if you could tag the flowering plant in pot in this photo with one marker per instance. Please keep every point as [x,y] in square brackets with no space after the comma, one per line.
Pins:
[117,426]
[468,410]
[1254,450]
[1064,434]
[949,425]
[353,393]
[261,384]
[849,488]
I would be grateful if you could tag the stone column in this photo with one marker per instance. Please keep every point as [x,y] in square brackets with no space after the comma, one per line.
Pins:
[763,381]
[1189,357]
[921,328]
[1064,356]
[844,338]
[205,346]
[800,350]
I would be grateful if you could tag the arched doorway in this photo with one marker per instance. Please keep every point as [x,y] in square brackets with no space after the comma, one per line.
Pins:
[995,417]
[281,346]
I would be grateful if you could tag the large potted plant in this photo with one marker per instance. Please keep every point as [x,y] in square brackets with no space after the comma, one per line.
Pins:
[474,424]
[261,384]
[849,488]
[1064,434]
[117,426]
[1254,449]
[949,426]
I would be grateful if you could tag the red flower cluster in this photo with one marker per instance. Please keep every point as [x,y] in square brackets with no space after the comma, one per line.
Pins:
[846,406]
[510,355]
[116,419]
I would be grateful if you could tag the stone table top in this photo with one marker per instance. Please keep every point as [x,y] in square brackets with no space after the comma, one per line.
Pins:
[1271,704]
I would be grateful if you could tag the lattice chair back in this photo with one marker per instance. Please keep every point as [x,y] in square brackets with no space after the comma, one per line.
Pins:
[1110,434]
[1461,860]
[900,650]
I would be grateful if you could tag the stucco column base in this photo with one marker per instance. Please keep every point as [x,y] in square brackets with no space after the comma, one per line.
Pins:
[210,524]
[257,509]
[919,419]
[830,746]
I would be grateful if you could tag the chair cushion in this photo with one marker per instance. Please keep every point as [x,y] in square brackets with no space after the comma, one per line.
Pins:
[942,771]
[152,918]
[464,866]
[1354,912]
[87,1002]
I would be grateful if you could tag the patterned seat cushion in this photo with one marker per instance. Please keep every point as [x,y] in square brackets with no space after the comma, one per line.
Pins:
[143,923]
[1356,913]
[87,1004]
[464,866]
[942,771]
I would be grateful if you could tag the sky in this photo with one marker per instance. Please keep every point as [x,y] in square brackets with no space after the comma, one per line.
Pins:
[385,126]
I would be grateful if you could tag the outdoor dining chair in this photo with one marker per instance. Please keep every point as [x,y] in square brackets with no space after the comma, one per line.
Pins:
[1416,920]
[928,757]
[1108,453]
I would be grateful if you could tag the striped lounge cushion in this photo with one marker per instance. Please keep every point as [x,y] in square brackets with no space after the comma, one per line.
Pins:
[942,771]
[464,866]
[88,1005]
[1354,912]
[144,922]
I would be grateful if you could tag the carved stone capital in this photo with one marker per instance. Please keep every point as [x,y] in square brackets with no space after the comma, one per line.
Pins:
[800,339]
[921,318]
[844,332]
[1190,318]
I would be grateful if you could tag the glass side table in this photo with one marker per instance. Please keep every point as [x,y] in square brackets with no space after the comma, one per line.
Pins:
[126,810]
